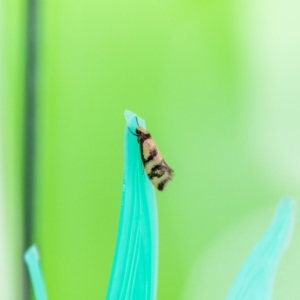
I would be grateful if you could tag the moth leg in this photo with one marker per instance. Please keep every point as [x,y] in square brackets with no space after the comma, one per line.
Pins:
[142,167]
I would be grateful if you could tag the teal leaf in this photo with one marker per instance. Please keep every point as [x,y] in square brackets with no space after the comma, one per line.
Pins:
[255,279]
[134,271]
[32,259]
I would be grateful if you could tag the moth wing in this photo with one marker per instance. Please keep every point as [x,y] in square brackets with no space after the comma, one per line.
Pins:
[158,171]
[158,158]
[148,147]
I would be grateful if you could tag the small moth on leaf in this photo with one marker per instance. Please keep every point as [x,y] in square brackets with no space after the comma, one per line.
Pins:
[158,171]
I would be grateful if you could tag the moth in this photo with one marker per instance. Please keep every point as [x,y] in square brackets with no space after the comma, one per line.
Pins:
[158,171]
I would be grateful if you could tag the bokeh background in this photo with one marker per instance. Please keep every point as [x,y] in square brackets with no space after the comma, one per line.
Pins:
[218,83]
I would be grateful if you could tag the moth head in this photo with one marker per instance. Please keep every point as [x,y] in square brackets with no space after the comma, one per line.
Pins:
[139,130]
[142,133]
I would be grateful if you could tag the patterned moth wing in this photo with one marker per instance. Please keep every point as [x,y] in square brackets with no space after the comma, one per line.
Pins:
[155,166]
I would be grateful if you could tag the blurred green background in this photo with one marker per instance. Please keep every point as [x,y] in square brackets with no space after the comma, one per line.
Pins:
[218,85]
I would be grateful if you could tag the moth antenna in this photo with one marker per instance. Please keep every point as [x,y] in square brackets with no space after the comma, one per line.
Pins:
[132,132]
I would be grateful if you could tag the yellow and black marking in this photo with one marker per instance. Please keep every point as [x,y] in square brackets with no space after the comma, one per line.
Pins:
[155,166]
